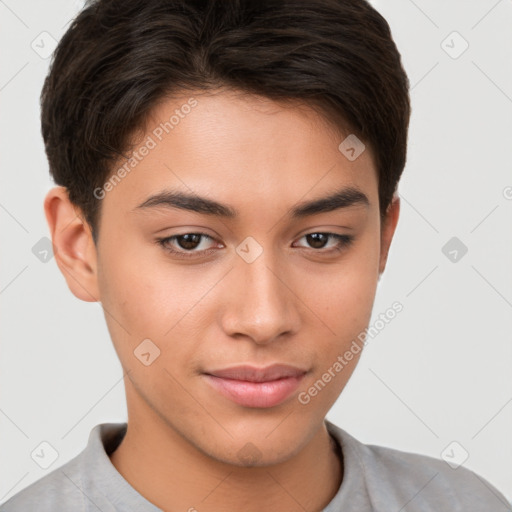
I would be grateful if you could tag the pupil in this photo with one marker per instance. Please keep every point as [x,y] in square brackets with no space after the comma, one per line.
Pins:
[189,236]
[316,240]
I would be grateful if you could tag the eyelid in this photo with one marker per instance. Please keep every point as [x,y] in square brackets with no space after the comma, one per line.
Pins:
[337,236]
[343,242]
[168,239]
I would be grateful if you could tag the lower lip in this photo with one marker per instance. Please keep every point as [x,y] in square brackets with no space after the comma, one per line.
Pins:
[255,394]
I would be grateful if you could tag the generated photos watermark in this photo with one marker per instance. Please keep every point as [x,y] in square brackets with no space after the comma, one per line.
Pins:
[342,360]
[150,143]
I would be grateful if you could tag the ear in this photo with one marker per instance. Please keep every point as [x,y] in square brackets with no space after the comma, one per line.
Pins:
[388,229]
[73,245]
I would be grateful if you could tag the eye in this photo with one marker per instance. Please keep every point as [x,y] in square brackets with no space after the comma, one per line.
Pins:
[186,243]
[319,240]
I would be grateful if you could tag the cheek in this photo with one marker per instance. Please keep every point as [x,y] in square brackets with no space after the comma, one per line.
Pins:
[145,297]
[144,290]
[343,301]
[343,298]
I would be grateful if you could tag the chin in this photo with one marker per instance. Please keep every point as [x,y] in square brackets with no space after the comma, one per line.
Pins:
[253,451]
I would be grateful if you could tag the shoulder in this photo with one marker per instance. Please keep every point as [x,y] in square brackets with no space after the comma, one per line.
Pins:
[394,477]
[58,490]
[86,482]
[431,482]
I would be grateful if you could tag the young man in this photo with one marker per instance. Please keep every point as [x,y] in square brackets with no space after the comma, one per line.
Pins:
[227,177]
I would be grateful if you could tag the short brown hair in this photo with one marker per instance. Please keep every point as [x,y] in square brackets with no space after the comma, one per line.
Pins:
[119,58]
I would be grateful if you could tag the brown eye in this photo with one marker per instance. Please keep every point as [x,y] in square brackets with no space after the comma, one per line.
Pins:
[189,240]
[319,241]
[185,245]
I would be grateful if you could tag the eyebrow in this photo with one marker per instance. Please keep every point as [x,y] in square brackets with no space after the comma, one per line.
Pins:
[343,198]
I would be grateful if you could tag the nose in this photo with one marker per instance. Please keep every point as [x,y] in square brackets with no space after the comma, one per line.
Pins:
[263,304]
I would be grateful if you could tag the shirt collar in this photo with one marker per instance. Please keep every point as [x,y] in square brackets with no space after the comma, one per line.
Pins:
[101,476]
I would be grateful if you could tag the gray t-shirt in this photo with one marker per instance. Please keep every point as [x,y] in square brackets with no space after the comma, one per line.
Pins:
[375,478]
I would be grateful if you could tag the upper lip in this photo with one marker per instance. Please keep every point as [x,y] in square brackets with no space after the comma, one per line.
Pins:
[254,374]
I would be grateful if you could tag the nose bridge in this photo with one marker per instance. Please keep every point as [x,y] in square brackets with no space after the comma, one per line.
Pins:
[261,307]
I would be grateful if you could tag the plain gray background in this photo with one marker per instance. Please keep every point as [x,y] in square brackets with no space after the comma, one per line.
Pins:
[439,373]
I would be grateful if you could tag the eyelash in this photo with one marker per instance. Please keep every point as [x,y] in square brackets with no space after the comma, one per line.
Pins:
[344,241]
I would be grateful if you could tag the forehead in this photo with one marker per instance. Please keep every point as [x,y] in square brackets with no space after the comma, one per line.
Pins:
[242,149]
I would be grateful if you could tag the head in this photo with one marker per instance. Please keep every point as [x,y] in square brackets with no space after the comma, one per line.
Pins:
[226,125]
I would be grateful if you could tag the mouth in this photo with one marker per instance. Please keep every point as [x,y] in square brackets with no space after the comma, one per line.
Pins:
[256,387]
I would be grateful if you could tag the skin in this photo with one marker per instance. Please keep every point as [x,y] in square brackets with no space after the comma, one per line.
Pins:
[294,304]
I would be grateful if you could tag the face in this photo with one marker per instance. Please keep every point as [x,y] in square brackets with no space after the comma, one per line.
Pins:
[191,295]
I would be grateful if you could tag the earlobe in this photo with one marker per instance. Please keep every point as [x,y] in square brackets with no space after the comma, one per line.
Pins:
[74,249]
[388,230]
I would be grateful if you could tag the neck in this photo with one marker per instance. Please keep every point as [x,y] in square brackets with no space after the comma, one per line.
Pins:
[173,474]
